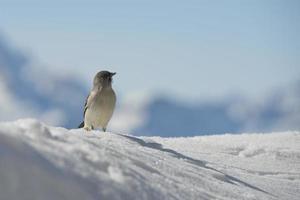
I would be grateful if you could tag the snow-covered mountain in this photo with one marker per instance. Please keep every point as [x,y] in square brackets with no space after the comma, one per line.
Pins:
[28,90]
[43,162]
[164,116]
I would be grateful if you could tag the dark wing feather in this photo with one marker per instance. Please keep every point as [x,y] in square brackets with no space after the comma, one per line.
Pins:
[85,105]
[81,125]
[85,108]
[88,102]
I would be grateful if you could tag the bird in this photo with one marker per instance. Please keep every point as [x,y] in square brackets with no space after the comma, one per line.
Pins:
[100,103]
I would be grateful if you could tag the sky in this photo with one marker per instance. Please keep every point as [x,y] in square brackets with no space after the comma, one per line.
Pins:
[189,49]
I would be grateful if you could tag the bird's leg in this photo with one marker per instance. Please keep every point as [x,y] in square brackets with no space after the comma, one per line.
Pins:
[87,128]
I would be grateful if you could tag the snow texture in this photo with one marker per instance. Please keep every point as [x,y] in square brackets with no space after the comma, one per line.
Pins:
[42,162]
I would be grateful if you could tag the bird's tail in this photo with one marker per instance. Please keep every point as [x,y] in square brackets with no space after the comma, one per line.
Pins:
[81,125]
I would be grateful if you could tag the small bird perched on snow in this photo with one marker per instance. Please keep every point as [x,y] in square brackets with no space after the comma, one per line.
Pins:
[100,103]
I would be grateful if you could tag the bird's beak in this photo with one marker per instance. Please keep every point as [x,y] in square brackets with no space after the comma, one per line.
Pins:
[112,74]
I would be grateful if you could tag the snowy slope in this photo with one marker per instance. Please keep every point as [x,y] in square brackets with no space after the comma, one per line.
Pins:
[42,162]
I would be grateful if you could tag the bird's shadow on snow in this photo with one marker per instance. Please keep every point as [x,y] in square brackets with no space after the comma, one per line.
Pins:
[199,163]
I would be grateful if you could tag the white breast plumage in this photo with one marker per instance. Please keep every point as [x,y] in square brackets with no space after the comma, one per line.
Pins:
[100,109]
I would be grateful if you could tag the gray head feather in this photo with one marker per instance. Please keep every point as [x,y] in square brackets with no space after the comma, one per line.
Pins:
[103,79]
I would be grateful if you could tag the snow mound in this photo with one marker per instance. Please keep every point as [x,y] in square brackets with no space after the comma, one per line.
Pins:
[42,162]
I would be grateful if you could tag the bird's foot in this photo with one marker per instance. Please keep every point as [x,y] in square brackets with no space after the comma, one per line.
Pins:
[87,128]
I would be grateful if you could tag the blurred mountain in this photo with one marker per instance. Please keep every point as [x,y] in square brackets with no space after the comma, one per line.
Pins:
[32,91]
[165,117]
[276,112]
[28,90]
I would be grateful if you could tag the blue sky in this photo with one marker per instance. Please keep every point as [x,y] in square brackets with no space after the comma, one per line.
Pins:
[198,49]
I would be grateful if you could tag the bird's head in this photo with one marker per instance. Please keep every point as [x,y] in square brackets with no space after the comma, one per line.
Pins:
[103,79]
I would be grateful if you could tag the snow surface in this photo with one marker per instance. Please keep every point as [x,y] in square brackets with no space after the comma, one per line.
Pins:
[42,162]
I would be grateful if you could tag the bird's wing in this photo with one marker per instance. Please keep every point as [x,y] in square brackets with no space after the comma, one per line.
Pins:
[88,101]
[85,105]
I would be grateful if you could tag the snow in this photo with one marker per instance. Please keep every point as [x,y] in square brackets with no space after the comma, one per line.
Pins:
[43,162]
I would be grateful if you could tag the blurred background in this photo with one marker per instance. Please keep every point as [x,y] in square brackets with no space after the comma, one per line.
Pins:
[184,68]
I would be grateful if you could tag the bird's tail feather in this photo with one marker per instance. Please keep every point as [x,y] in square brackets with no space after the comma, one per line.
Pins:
[81,125]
